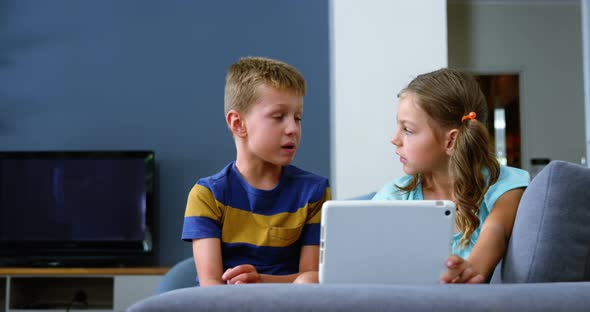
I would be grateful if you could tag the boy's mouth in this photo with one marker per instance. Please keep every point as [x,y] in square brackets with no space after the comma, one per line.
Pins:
[289,146]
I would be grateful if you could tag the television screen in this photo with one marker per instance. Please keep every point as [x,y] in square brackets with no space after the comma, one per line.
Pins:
[59,204]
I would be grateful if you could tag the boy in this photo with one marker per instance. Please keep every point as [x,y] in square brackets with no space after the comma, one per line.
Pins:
[257,220]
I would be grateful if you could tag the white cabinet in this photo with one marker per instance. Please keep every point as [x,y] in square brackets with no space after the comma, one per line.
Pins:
[130,289]
[57,289]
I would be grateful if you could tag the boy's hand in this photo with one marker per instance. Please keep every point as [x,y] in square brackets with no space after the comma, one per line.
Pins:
[242,274]
[460,271]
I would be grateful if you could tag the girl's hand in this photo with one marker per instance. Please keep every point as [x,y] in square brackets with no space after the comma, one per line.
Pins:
[242,274]
[460,271]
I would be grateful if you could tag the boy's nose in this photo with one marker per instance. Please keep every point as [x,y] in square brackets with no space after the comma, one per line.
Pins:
[292,127]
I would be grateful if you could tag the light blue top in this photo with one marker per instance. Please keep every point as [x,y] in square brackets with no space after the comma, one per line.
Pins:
[510,178]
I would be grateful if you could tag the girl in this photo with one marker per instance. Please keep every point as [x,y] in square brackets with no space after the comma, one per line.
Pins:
[443,143]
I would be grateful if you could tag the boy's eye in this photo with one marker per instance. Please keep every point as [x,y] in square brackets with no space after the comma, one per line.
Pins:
[407,131]
[277,116]
[298,118]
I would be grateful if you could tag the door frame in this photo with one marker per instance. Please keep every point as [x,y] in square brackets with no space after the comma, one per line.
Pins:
[521,71]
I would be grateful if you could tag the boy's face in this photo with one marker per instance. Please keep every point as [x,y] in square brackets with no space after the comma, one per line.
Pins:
[273,126]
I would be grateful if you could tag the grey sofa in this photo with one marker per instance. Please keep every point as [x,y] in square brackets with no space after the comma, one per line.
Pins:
[546,268]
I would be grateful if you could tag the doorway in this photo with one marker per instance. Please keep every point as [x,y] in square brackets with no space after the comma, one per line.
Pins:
[502,93]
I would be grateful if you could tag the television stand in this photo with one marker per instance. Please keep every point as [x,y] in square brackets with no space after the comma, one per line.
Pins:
[73,262]
[96,289]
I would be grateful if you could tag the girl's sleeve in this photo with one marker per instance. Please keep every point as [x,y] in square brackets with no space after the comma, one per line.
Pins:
[390,191]
[509,179]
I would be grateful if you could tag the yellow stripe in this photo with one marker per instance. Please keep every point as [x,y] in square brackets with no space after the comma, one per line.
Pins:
[315,208]
[240,226]
[278,230]
[201,203]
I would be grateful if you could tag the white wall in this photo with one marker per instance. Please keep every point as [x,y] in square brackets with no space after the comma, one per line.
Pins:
[377,47]
[543,42]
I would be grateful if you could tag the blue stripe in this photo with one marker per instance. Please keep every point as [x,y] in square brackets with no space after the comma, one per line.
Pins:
[200,227]
[311,234]
[284,260]
[295,190]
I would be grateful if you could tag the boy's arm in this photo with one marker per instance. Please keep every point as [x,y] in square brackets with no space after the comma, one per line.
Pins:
[207,255]
[491,244]
[246,273]
[310,258]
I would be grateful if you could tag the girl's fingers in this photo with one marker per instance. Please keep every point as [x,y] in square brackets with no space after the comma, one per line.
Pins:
[478,279]
[466,275]
[455,268]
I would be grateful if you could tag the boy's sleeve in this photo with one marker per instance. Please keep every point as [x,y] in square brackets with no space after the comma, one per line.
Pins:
[311,230]
[202,218]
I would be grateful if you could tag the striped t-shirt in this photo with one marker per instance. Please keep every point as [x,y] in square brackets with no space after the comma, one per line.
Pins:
[265,228]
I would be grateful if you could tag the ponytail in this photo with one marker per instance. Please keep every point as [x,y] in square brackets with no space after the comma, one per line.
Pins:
[472,155]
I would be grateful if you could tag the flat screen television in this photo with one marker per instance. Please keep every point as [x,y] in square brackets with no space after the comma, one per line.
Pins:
[76,208]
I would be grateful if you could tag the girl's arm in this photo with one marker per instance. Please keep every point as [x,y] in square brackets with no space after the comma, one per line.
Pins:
[490,246]
[207,255]
[246,273]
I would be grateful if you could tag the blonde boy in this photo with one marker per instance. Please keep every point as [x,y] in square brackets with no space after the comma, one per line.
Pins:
[257,220]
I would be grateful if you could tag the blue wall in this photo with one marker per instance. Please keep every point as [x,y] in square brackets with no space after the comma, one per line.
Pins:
[110,75]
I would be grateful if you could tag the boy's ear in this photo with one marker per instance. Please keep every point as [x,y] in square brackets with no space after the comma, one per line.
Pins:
[235,123]
[450,139]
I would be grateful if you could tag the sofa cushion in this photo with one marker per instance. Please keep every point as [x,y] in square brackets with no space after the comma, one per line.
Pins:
[181,275]
[551,237]
[372,297]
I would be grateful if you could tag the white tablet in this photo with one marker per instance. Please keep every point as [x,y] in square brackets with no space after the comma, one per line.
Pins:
[387,242]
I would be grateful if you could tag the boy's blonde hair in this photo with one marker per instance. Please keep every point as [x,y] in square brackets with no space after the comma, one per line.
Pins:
[244,77]
[447,95]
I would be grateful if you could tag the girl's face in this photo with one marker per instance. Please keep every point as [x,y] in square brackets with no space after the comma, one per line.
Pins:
[421,146]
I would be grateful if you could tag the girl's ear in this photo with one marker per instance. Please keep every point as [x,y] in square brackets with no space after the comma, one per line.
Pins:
[235,123]
[450,139]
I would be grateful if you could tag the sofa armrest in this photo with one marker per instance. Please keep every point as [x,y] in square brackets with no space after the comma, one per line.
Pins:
[551,237]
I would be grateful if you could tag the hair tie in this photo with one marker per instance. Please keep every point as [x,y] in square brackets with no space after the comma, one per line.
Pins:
[471,116]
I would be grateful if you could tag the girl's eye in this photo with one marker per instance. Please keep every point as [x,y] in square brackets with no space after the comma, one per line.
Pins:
[407,131]
[277,116]
[298,118]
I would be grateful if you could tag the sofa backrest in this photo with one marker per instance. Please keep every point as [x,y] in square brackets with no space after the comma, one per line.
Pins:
[551,237]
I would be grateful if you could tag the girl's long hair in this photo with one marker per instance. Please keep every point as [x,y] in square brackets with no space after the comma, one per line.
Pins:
[447,95]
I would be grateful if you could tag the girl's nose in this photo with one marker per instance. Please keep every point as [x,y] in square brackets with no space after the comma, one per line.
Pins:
[395,140]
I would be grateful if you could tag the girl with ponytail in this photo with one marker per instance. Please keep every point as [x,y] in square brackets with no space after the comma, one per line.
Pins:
[444,146]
